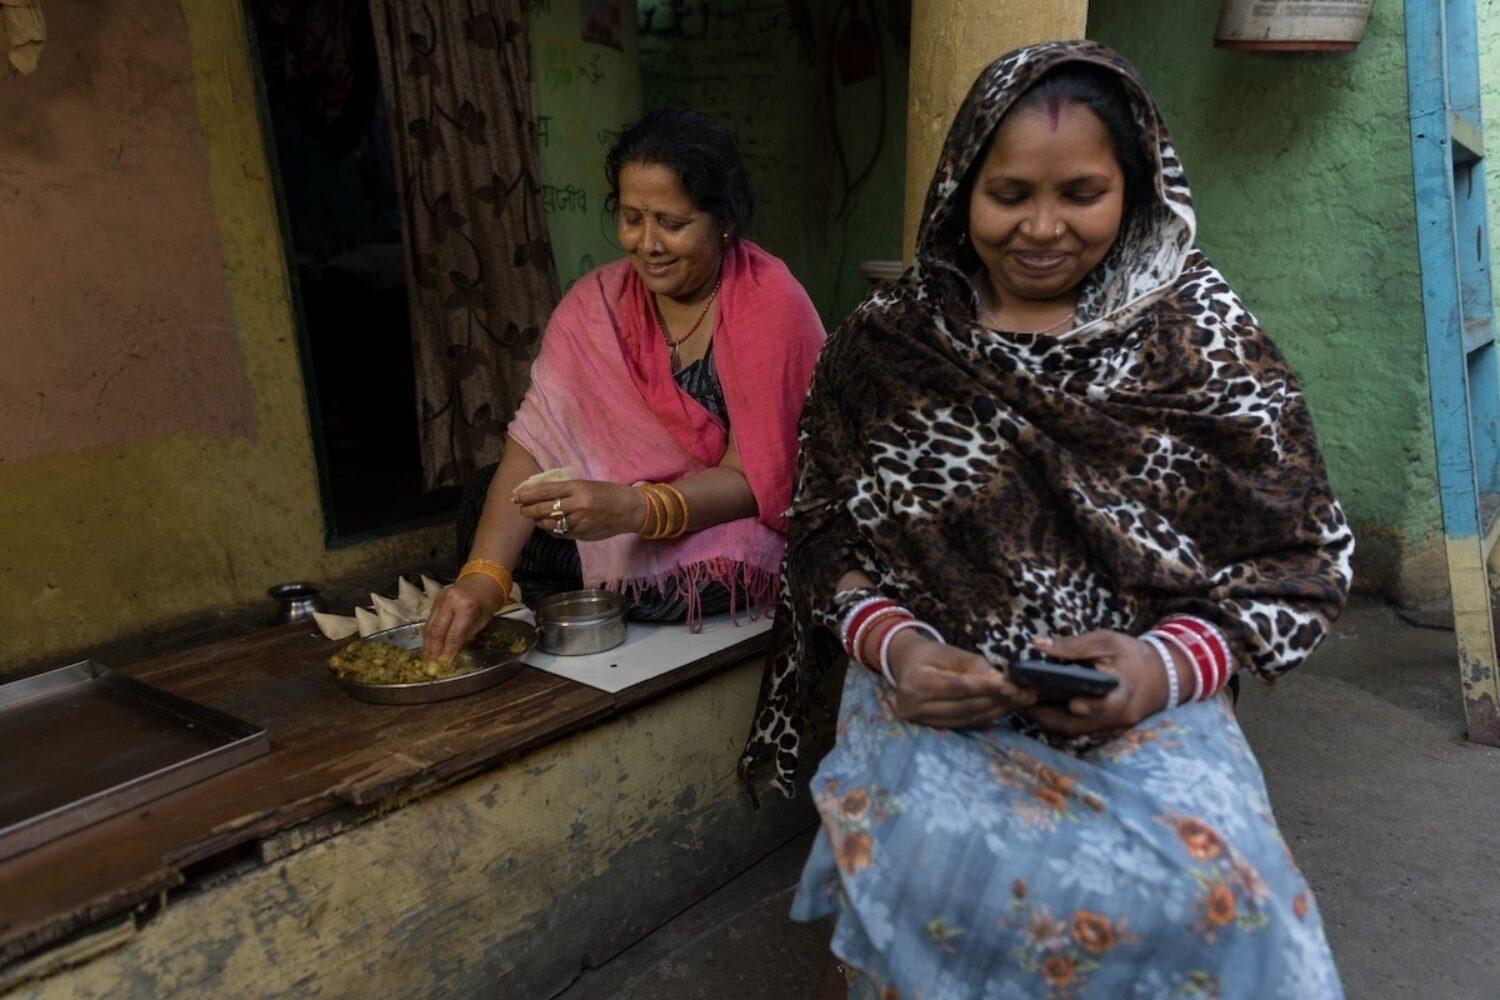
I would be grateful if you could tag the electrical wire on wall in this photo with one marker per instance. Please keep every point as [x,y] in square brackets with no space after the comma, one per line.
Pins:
[842,43]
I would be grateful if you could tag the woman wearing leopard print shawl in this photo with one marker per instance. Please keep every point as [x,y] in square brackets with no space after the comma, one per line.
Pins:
[1059,434]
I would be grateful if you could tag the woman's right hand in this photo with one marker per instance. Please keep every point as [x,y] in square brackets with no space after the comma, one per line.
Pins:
[949,688]
[458,614]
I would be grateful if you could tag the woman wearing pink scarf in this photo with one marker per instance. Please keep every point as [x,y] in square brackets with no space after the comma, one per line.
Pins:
[670,382]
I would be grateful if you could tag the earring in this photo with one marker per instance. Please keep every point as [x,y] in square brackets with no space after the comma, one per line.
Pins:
[724,236]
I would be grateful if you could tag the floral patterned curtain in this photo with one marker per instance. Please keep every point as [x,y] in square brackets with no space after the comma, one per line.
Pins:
[457,77]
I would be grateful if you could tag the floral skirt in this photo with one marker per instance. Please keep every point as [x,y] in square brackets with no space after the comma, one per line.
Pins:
[986,864]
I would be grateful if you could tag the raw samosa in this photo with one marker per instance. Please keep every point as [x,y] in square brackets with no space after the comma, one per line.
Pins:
[369,624]
[335,627]
[561,474]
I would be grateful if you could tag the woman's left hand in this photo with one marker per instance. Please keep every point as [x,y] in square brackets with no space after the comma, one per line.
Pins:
[594,510]
[1142,690]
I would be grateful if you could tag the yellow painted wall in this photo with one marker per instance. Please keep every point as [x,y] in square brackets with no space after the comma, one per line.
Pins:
[110,539]
[951,41]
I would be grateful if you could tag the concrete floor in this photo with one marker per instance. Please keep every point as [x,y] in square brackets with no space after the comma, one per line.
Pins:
[1392,816]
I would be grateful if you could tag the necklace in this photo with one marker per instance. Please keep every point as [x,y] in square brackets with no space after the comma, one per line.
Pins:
[1054,328]
[985,312]
[667,335]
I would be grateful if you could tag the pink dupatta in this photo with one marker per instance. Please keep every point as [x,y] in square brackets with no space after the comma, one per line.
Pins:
[603,399]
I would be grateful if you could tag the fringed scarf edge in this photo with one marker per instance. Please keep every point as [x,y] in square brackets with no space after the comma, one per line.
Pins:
[752,589]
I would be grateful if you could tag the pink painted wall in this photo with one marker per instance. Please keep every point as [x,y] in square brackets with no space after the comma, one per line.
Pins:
[115,322]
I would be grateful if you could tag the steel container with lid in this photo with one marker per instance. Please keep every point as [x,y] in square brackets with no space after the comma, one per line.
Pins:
[579,622]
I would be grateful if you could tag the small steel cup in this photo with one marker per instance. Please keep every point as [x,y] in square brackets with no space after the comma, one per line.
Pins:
[295,602]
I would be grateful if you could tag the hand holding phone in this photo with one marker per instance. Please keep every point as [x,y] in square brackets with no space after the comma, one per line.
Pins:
[1136,682]
[950,688]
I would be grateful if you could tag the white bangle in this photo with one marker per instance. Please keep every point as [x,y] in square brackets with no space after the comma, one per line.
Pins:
[857,644]
[1174,692]
[1187,651]
[1217,676]
[885,644]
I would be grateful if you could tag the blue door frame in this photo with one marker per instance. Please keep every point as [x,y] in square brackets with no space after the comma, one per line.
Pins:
[1442,65]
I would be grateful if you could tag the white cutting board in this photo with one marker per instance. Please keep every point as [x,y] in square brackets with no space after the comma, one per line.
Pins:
[649,650]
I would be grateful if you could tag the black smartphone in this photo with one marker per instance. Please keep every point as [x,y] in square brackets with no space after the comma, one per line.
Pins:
[1056,683]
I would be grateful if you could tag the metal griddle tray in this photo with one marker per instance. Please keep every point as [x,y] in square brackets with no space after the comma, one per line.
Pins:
[82,743]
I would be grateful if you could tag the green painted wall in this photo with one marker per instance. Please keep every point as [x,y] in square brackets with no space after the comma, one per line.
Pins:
[1301,170]
[742,63]
[585,93]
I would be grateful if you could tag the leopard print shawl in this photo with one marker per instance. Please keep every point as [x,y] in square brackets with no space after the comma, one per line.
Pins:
[1157,458]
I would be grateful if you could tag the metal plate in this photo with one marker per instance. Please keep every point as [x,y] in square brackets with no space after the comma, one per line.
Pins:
[498,665]
[83,743]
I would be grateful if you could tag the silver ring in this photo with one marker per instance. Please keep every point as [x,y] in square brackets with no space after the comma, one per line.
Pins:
[557,506]
[561,528]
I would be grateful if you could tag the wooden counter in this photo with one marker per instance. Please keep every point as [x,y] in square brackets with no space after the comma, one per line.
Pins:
[335,763]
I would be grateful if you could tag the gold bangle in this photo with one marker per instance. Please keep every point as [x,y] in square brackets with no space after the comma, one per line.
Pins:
[664,507]
[480,565]
[653,516]
[680,525]
[686,514]
[645,521]
[648,523]
[490,569]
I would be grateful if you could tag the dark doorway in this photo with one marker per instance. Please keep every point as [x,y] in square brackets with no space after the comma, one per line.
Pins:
[326,124]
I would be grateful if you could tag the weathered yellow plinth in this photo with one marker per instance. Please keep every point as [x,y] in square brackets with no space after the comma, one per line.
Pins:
[504,885]
[951,41]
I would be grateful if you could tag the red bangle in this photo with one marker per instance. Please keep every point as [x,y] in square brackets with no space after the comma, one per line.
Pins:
[1202,656]
[860,618]
[1214,639]
[1208,630]
[1207,656]
[878,630]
